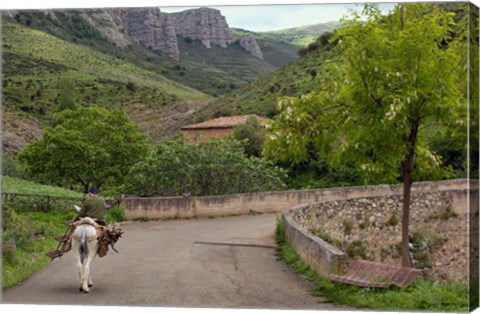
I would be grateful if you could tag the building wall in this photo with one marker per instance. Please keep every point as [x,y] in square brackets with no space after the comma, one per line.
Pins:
[194,136]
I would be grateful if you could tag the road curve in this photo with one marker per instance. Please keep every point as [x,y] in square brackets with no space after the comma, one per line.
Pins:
[199,263]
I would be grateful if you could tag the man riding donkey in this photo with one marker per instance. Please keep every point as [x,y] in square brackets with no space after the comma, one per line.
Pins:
[93,207]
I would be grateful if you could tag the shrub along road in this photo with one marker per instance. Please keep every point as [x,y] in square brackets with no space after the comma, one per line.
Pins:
[216,263]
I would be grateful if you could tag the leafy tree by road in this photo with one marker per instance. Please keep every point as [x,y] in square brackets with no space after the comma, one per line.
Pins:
[87,146]
[214,167]
[396,77]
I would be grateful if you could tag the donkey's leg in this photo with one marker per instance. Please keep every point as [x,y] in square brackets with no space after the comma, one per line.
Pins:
[76,250]
[93,248]
[86,273]
[87,263]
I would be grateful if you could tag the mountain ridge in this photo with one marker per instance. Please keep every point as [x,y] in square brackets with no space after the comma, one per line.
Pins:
[157,30]
[302,35]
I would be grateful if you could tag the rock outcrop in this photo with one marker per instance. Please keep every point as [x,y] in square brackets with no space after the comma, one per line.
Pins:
[147,26]
[249,43]
[110,24]
[153,29]
[158,31]
[206,25]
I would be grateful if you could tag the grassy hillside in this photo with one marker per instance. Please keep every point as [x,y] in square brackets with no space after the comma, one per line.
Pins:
[233,65]
[16,185]
[303,35]
[276,52]
[260,97]
[43,74]
[36,64]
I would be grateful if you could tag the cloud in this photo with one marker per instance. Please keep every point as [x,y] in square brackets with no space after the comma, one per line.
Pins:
[274,17]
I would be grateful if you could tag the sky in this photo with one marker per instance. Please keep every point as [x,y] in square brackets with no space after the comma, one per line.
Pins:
[260,18]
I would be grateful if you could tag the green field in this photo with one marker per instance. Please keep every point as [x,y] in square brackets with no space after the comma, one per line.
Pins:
[15,185]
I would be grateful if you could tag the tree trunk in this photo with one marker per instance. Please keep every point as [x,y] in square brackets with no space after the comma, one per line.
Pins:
[85,188]
[407,185]
[407,170]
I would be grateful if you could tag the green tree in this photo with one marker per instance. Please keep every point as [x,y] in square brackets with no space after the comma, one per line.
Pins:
[87,146]
[395,77]
[252,135]
[214,167]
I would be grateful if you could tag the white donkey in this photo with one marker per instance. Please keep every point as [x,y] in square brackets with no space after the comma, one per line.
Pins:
[85,246]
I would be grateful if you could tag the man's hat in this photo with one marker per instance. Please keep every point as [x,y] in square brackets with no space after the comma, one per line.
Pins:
[93,190]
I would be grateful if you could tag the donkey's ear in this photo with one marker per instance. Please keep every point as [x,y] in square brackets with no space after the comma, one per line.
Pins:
[77,208]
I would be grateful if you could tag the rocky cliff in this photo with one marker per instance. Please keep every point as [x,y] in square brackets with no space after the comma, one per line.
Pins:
[249,43]
[204,24]
[110,24]
[158,31]
[147,26]
[153,29]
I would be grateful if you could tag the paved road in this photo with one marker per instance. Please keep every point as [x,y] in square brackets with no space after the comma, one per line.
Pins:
[215,263]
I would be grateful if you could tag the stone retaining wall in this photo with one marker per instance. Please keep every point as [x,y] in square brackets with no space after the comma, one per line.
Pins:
[323,257]
[265,202]
[370,228]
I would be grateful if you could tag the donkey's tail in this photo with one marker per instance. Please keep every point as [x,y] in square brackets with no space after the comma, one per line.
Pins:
[83,246]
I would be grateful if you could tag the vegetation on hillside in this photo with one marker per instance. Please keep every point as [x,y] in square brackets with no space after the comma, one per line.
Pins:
[276,52]
[43,74]
[51,63]
[260,97]
[222,70]
[34,75]
[302,36]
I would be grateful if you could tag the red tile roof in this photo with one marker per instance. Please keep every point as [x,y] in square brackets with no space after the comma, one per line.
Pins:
[221,123]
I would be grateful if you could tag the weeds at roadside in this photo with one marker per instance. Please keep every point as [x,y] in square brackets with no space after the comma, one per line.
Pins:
[421,295]
[26,237]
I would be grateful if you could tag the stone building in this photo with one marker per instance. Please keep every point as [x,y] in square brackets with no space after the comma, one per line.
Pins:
[219,127]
